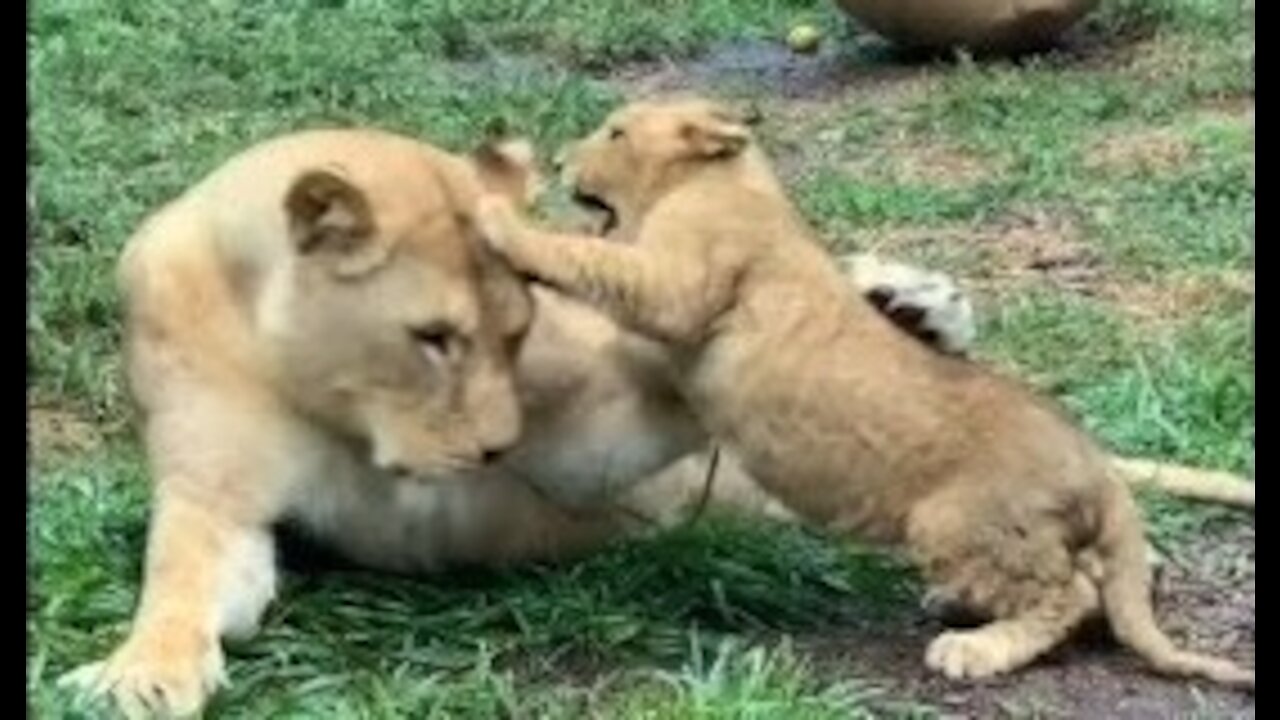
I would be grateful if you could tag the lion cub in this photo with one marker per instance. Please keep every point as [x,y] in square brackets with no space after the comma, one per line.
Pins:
[1007,507]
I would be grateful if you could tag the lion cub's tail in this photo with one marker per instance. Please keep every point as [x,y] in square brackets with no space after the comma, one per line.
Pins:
[1188,482]
[1126,597]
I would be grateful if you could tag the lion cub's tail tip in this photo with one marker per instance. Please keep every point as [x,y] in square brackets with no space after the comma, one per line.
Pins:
[1188,482]
[1216,670]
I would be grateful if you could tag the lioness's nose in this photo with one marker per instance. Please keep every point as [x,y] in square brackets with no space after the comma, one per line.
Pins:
[500,433]
[394,469]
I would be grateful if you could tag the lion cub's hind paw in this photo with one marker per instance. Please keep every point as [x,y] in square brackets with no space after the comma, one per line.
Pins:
[968,655]
[496,220]
[928,305]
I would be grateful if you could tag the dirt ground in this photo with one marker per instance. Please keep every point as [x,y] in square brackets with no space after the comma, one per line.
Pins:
[1205,598]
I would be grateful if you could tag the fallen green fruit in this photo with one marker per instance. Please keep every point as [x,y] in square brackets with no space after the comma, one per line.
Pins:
[804,39]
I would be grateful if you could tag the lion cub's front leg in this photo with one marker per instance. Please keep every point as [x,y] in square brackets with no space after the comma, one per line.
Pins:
[207,575]
[669,299]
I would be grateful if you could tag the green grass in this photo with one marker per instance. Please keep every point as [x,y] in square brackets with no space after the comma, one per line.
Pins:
[133,101]
[460,642]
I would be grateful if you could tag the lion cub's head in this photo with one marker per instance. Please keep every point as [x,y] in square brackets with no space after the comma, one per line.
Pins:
[645,149]
[398,328]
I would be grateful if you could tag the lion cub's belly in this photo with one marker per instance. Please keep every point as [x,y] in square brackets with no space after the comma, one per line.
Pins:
[838,444]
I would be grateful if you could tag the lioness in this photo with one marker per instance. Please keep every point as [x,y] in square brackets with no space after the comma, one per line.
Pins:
[315,311]
[1007,507]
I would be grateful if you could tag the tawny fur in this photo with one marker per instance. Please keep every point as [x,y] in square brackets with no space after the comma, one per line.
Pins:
[1003,502]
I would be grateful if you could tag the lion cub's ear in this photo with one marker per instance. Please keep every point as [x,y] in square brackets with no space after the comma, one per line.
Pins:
[330,218]
[510,168]
[715,135]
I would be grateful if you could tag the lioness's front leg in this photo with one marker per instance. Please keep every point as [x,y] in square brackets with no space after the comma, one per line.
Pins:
[209,570]
[207,575]
[660,297]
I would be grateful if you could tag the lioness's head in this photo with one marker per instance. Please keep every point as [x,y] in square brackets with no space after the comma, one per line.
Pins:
[645,149]
[399,329]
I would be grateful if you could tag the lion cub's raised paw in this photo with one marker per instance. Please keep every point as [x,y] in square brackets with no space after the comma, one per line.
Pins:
[496,219]
[155,680]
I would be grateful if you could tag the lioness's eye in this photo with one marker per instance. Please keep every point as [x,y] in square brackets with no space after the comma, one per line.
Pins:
[615,133]
[436,338]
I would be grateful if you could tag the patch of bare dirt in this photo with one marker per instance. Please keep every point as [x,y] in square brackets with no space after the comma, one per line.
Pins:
[938,165]
[1033,247]
[52,429]
[1162,57]
[1168,56]
[1177,297]
[900,157]
[1162,149]
[1213,578]
[1205,597]
[771,69]
[1150,150]
[1231,108]
[1036,248]
[801,145]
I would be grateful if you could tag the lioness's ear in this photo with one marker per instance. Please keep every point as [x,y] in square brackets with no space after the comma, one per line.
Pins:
[715,135]
[508,167]
[329,215]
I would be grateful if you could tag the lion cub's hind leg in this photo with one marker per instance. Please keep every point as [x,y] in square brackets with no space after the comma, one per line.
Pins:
[1004,563]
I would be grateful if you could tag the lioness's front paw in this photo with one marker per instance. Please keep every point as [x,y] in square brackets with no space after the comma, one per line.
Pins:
[967,654]
[153,679]
[926,304]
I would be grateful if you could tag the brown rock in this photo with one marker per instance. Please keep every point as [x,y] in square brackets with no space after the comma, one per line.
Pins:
[996,25]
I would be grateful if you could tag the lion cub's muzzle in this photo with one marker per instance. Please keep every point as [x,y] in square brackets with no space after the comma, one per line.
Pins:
[595,204]
[563,166]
